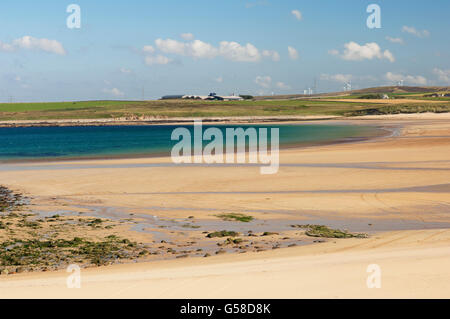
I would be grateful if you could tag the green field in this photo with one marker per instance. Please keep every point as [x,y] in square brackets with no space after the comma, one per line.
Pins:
[414,96]
[60,106]
[191,108]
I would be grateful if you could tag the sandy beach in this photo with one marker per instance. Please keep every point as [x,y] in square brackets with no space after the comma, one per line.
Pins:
[394,188]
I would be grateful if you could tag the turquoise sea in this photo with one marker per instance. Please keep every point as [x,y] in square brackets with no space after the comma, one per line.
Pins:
[27,143]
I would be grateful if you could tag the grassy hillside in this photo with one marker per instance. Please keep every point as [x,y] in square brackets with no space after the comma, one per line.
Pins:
[402,109]
[175,108]
[402,89]
[391,90]
[60,106]
[414,102]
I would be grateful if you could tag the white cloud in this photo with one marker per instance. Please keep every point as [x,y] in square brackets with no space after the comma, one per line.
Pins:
[388,55]
[158,59]
[196,48]
[151,59]
[341,78]
[114,91]
[282,86]
[229,50]
[293,53]
[6,47]
[411,79]
[171,46]
[264,81]
[297,14]
[395,40]
[31,43]
[443,75]
[148,49]
[235,52]
[355,52]
[274,55]
[200,49]
[187,36]
[414,31]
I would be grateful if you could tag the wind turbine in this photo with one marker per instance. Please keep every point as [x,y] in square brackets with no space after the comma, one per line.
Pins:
[348,86]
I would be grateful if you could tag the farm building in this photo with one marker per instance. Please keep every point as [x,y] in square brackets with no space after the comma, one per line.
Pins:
[172,97]
[210,97]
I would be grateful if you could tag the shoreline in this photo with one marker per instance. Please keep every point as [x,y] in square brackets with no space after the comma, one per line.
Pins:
[163,121]
[217,120]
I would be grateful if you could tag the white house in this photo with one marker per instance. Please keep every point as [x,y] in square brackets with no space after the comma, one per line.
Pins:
[232,98]
[213,97]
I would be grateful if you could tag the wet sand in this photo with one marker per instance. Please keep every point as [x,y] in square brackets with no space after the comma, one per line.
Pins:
[398,184]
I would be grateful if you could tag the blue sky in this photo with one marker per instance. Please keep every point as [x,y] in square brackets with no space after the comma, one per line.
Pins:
[127,49]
